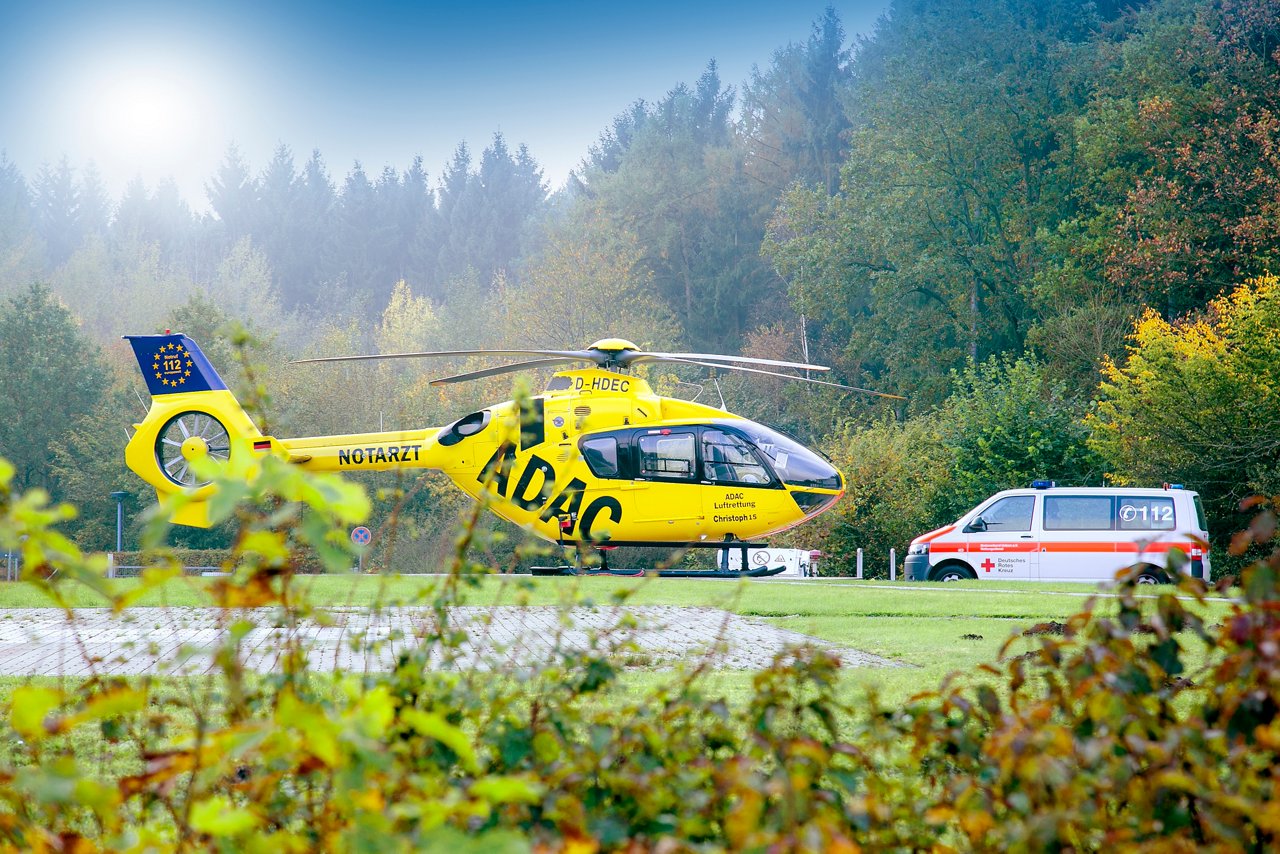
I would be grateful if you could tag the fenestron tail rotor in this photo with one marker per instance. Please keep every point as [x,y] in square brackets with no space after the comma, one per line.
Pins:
[188,436]
[608,353]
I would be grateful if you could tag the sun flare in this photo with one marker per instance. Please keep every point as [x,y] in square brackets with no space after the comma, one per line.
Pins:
[147,114]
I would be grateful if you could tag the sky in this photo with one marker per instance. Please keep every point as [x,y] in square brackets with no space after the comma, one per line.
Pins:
[162,89]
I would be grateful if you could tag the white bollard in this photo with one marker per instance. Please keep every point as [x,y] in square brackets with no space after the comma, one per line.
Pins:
[111,564]
[893,564]
[859,563]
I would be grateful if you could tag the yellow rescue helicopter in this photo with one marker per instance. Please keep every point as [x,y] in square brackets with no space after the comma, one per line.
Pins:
[597,460]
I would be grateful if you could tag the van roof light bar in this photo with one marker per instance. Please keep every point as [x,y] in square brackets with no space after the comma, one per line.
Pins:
[1043,484]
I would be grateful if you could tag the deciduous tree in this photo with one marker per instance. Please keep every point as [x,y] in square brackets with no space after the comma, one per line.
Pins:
[52,375]
[1198,401]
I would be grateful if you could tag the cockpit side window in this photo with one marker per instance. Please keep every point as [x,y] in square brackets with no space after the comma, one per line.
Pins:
[728,459]
[601,456]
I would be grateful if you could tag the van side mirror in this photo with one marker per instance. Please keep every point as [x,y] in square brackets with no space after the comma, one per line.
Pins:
[978,525]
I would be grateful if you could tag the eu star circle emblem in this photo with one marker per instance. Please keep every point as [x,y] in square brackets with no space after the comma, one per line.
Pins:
[171,364]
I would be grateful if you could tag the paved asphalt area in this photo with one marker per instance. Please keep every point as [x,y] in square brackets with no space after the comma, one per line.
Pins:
[44,642]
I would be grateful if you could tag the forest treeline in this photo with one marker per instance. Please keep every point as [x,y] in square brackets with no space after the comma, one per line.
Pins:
[1051,226]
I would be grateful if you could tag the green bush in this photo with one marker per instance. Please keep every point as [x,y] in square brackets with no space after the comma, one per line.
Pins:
[1005,424]
[1102,738]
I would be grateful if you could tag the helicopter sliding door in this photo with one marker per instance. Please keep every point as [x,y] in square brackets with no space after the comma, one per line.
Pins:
[697,482]
[666,499]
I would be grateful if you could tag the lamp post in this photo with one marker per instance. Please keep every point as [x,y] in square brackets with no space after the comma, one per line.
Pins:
[119,497]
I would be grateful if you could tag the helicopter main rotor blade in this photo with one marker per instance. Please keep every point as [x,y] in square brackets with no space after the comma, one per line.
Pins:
[789,377]
[567,355]
[502,369]
[711,357]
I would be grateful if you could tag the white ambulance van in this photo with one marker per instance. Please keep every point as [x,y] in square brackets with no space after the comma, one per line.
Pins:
[1052,533]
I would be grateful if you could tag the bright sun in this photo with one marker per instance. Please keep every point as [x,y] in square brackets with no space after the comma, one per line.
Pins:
[153,114]
[147,114]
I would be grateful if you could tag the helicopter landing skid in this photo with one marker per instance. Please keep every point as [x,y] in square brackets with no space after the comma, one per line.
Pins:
[741,546]
[758,572]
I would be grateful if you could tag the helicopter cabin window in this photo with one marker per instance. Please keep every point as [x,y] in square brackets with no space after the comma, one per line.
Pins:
[729,459]
[667,455]
[601,455]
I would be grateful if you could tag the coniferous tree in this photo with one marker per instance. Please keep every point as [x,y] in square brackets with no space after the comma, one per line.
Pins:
[679,183]
[959,166]
[452,248]
[275,216]
[57,200]
[484,216]
[353,237]
[793,115]
[15,205]
[232,195]
[132,219]
[95,208]
[313,229]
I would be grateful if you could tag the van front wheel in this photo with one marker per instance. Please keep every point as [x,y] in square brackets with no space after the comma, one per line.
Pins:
[1151,575]
[953,572]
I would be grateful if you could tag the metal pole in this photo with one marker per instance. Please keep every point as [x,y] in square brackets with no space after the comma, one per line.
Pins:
[859,563]
[119,496]
[893,564]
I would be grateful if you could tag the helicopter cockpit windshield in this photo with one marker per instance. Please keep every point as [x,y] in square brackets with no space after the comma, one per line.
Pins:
[794,463]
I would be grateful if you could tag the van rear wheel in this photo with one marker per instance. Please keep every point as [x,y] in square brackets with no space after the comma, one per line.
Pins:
[952,572]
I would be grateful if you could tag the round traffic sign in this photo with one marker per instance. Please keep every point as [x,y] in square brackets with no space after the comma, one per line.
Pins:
[361,536]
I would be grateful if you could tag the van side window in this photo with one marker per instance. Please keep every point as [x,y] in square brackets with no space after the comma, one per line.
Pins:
[667,455]
[1146,514]
[601,455]
[1078,513]
[1010,514]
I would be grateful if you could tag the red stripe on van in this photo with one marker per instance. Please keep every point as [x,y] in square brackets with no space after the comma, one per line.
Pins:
[1058,548]
[1154,547]
[1090,548]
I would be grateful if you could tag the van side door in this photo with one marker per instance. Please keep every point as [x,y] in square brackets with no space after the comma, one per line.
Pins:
[1003,544]
[1078,539]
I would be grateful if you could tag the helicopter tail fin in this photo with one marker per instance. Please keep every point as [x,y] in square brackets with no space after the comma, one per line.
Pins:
[193,415]
[173,364]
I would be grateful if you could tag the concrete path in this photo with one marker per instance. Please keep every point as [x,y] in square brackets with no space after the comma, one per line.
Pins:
[44,642]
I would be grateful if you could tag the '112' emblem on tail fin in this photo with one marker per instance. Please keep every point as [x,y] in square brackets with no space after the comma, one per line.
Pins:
[171,365]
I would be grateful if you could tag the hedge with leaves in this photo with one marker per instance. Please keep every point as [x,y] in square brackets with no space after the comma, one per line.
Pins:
[1102,738]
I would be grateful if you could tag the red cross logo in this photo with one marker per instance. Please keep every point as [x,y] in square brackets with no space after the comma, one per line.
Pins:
[988,564]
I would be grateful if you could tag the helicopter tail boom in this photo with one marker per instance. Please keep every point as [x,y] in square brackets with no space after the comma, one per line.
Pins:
[194,415]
